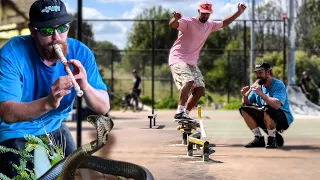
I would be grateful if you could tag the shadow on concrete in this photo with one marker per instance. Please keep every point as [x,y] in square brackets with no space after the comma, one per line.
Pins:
[299,147]
[123,118]
[154,127]
[212,145]
[229,145]
[88,129]
[161,127]
[285,147]
[214,161]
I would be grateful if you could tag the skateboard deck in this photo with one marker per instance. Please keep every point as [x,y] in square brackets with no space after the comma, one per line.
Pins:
[187,123]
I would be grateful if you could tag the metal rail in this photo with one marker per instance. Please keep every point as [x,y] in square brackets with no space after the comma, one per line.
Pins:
[191,137]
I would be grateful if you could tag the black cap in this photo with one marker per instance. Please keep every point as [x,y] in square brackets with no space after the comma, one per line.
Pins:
[261,66]
[134,71]
[48,13]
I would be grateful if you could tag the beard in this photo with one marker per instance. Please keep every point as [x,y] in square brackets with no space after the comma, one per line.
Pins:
[49,53]
[262,81]
[203,20]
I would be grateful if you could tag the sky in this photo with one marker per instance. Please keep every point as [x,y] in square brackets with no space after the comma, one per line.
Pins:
[116,31]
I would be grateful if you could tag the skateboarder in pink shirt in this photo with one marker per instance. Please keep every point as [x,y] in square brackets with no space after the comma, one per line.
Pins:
[184,54]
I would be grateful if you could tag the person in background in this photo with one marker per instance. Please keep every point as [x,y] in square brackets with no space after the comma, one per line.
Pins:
[311,93]
[136,87]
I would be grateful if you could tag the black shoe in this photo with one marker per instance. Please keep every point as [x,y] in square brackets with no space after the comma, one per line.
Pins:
[272,142]
[182,116]
[257,142]
[279,139]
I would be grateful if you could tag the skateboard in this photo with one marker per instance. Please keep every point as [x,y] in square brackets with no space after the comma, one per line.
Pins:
[187,124]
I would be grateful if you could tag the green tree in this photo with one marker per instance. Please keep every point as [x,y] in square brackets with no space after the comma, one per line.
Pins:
[214,48]
[303,62]
[215,79]
[106,52]
[269,34]
[141,35]
[308,27]
[140,38]
[226,72]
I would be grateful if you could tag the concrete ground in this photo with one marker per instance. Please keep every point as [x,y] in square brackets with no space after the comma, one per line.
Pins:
[160,150]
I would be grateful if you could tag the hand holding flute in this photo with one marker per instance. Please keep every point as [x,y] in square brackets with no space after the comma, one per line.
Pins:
[67,69]
[245,91]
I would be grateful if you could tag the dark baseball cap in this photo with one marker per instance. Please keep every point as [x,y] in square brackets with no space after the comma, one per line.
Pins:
[261,66]
[48,13]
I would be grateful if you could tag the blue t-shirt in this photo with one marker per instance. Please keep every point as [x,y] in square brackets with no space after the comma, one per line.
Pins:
[24,78]
[278,91]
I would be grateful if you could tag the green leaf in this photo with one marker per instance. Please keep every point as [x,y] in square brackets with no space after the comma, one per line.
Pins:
[4,149]
[59,151]
[24,174]
[23,164]
[35,140]
[4,177]
[15,166]
[30,147]
[55,158]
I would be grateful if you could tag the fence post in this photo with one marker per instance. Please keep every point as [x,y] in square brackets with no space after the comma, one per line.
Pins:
[245,52]
[152,76]
[171,87]
[79,99]
[143,70]
[112,78]
[284,50]
[253,41]
[228,72]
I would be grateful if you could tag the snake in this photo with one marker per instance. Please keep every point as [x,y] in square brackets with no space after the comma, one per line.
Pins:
[82,157]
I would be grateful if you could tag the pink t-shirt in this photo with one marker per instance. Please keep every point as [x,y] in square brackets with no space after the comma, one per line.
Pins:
[192,36]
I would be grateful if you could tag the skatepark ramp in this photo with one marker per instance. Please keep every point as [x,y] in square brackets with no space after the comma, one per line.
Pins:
[299,104]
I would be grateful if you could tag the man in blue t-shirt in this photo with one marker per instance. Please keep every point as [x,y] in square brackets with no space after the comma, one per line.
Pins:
[266,105]
[36,93]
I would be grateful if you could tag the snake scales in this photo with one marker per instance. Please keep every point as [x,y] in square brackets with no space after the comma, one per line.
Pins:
[82,158]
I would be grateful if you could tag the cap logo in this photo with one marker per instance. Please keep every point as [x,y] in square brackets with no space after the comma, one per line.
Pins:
[47,9]
[206,6]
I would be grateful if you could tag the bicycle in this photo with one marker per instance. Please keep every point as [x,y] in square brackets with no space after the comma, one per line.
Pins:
[128,101]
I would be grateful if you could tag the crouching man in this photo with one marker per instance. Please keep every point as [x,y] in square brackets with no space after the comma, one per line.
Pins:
[265,105]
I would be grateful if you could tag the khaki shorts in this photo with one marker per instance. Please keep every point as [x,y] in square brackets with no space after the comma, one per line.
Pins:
[183,72]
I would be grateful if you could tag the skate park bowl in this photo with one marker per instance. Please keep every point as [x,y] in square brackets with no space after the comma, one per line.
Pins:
[299,104]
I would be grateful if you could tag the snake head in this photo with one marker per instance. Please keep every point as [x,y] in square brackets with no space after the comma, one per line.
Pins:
[107,122]
[103,125]
[92,119]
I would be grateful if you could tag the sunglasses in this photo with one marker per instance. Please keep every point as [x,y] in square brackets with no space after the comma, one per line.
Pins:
[48,31]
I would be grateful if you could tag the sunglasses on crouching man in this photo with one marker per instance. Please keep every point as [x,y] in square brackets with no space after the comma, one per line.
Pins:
[48,31]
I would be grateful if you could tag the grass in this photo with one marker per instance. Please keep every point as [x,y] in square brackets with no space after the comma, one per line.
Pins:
[218,98]
[123,84]
[162,89]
